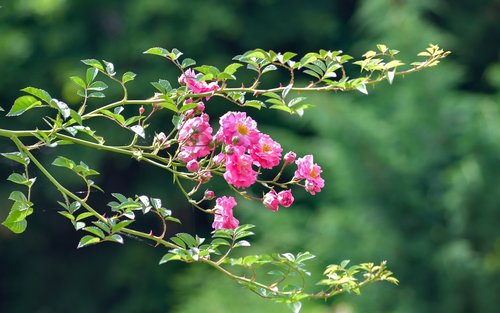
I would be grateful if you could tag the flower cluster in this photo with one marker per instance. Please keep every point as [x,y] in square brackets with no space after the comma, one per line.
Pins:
[243,152]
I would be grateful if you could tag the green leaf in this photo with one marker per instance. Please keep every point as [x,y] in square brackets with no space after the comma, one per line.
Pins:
[21,179]
[128,76]
[188,106]
[64,162]
[78,81]
[96,95]
[18,196]
[177,120]
[1,109]
[157,51]
[121,225]
[187,238]
[23,104]
[232,68]
[110,68]
[95,231]
[242,243]
[178,242]
[98,86]
[76,117]
[93,63]
[39,93]
[91,74]
[187,62]
[17,157]
[88,240]
[115,238]
[139,130]
[270,67]
[16,227]
[83,215]
[169,257]
[255,104]
[169,105]
[61,107]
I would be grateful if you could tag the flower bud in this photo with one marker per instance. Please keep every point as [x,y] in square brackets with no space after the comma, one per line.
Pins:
[205,177]
[193,166]
[209,194]
[290,157]
[141,110]
[270,200]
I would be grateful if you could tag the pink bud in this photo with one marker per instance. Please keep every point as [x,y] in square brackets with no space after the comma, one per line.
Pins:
[290,157]
[209,194]
[270,200]
[285,198]
[205,177]
[141,110]
[201,107]
[193,166]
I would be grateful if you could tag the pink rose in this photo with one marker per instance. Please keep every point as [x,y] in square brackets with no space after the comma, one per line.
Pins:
[223,218]
[285,198]
[239,172]
[237,129]
[267,152]
[191,79]
[310,171]
[195,136]
[271,201]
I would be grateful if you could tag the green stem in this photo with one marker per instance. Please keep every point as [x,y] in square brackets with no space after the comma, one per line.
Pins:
[54,181]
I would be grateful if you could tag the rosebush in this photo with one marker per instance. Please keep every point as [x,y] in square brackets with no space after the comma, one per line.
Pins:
[193,153]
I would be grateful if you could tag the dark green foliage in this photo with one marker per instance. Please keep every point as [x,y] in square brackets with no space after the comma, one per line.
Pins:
[412,171]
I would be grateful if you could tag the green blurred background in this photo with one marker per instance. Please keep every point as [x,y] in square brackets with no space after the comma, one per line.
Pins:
[412,170]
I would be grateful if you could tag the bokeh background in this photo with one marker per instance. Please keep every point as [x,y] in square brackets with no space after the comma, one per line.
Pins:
[412,170]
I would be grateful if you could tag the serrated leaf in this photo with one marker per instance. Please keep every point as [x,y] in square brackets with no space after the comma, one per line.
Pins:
[232,68]
[39,93]
[93,63]
[121,225]
[178,242]
[128,76]
[270,67]
[87,240]
[23,104]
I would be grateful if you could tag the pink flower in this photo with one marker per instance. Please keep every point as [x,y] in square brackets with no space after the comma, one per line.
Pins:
[191,79]
[290,157]
[313,186]
[271,201]
[267,152]
[193,165]
[239,172]
[285,198]
[310,171]
[238,129]
[195,137]
[223,218]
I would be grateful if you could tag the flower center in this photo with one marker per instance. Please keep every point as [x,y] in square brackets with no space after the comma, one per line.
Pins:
[314,173]
[266,148]
[242,129]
